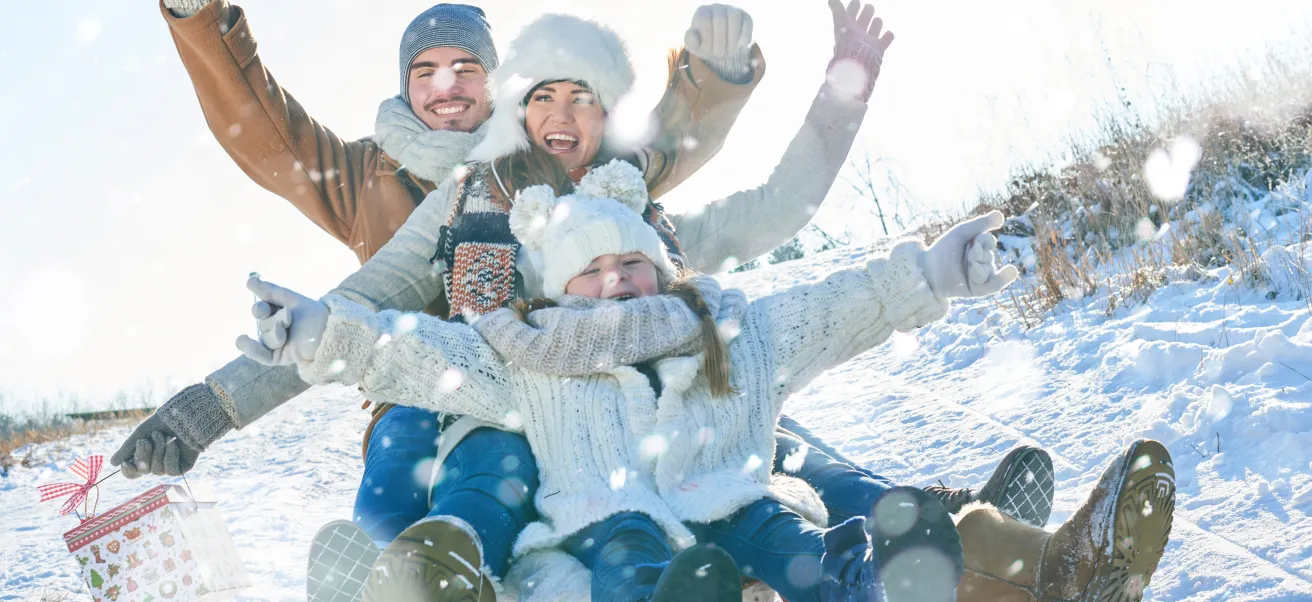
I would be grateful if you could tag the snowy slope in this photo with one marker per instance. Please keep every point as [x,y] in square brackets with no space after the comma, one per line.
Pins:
[1200,360]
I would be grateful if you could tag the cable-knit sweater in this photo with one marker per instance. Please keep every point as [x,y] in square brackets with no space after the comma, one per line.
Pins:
[604,442]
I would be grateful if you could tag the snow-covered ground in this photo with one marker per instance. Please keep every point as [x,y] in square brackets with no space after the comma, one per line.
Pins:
[1203,363]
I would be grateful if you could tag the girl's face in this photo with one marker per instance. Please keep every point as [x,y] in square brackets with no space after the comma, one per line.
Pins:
[565,119]
[616,277]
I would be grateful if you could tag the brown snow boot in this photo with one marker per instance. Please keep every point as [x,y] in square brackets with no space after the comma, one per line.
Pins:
[435,560]
[1106,552]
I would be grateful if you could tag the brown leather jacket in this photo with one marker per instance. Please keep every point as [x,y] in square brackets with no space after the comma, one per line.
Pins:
[351,188]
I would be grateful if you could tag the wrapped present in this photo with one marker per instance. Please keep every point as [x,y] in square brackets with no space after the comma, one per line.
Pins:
[161,545]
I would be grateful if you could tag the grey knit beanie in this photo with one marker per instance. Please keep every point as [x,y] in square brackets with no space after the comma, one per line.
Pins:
[456,25]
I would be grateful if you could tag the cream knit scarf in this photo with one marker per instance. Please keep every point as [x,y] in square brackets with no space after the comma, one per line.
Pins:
[429,154]
[586,336]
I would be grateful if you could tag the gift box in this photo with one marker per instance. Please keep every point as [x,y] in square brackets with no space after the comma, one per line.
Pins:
[161,545]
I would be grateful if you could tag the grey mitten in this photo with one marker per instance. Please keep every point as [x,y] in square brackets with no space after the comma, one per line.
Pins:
[171,439]
[721,35]
[185,8]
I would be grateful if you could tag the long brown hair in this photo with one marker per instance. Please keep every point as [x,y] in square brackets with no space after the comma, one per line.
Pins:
[530,167]
[715,361]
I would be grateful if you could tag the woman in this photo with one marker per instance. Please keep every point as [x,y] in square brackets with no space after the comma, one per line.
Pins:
[616,446]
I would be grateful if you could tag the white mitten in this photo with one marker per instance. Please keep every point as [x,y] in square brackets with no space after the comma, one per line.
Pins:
[721,35]
[963,262]
[290,325]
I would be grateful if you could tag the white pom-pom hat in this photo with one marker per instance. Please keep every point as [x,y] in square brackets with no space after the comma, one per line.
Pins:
[602,217]
[551,48]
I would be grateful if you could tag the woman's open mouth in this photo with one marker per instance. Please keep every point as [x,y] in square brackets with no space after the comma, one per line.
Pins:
[560,142]
[624,297]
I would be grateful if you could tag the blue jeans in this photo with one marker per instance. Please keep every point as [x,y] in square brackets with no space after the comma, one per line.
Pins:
[394,492]
[488,480]
[846,489]
[771,543]
[627,552]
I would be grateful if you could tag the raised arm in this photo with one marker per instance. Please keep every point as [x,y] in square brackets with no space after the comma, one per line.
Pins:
[750,223]
[710,81]
[265,131]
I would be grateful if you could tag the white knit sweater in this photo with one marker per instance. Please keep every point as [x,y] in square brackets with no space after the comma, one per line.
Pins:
[605,443]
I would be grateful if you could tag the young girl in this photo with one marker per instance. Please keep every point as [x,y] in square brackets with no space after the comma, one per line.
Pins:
[638,461]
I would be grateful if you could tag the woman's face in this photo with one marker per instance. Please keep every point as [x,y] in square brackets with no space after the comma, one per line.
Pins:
[565,119]
[616,277]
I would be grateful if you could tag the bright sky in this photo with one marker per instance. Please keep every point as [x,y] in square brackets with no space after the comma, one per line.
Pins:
[127,232]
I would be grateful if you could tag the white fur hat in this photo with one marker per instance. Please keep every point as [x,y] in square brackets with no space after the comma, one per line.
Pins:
[553,47]
[602,217]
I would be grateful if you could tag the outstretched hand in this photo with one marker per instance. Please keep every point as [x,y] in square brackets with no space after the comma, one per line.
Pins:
[964,262]
[289,324]
[859,45]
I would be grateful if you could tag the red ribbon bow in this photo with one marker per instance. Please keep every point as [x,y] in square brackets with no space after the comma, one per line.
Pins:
[88,470]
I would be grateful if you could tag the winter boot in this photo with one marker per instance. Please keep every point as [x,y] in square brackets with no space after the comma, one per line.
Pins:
[1021,487]
[916,547]
[702,573]
[1106,552]
[435,560]
[340,559]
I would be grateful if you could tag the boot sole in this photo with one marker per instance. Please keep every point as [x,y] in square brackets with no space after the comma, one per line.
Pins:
[1140,525]
[341,556]
[1028,489]
[701,573]
[432,561]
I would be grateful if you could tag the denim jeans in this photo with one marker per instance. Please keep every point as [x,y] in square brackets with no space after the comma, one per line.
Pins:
[771,543]
[394,492]
[626,553]
[488,480]
[846,489]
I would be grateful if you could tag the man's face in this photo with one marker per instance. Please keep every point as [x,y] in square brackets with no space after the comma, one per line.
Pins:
[448,90]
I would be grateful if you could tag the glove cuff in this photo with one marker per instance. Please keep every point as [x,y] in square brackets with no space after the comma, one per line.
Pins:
[196,416]
[185,8]
[735,67]
[869,57]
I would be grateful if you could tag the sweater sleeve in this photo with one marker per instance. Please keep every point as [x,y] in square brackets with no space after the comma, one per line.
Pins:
[400,277]
[403,275]
[811,328]
[412,359]
[577,341]
[750,223]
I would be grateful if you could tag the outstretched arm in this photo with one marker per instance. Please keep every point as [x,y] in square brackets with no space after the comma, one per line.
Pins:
[400,276]
[811,328]
[750,223]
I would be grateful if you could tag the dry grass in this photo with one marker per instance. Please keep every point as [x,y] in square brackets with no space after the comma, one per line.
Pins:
[47,424]
[1255,135]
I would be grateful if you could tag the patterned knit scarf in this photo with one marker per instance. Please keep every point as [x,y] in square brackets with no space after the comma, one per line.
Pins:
[479,250]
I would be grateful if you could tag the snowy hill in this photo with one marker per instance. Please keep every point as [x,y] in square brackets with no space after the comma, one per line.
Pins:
[1201,361]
